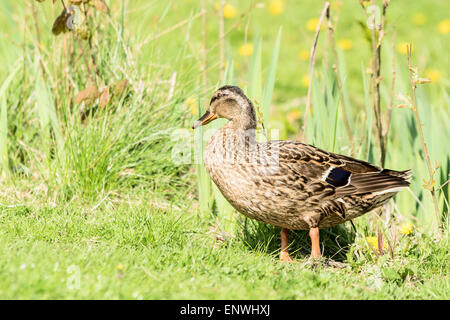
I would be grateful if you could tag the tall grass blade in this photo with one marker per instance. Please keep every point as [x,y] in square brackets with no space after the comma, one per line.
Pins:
[270,80]
[47,114]
[254,89]
[4,120]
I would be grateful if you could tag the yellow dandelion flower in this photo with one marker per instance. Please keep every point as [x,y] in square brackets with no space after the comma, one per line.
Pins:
[402,47]
[366,3]
[305,81]
[345,44]
[293,115]
[433,74]
[119,267]
[311,24]
[303,55]
[246,50]
[407,228]
[191,104]
[419,19]
[373,242]
[275,7]
[229,12]
[444,26]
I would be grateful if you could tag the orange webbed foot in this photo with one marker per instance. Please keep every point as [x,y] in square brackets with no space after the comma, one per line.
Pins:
[285,257]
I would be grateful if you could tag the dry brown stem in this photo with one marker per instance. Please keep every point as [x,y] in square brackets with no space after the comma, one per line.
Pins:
[312,59]
[412,79]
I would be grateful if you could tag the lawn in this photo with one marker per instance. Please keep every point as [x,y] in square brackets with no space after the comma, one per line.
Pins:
[95,202]
[135,250]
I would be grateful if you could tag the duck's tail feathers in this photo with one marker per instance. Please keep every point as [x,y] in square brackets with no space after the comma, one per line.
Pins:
[376,183]
[405,175]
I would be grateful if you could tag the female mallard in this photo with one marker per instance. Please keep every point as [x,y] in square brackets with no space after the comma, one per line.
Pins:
[287,183]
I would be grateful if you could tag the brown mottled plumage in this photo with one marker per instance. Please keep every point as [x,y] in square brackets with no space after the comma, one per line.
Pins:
[289,184]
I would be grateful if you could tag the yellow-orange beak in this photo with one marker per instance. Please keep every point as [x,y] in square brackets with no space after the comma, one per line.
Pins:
[205,119]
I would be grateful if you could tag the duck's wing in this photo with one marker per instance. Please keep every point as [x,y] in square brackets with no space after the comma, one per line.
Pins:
[345,174]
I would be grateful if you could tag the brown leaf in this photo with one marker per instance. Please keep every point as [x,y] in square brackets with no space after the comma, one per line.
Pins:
[104,98]
[422,80]
[87,95]
[380,242]
[120,87]
[60,24]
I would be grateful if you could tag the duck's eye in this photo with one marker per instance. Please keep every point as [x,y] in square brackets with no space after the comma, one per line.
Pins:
[217,96]
[213,99]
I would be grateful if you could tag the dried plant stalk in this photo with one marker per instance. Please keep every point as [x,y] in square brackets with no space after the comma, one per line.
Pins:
[391,96]
[312,59]
[236,24]
[413,83]
[377,36]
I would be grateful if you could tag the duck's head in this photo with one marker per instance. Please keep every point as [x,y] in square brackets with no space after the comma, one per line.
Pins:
[230,102]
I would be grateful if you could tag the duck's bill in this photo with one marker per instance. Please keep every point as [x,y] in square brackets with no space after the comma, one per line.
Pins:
[205,119]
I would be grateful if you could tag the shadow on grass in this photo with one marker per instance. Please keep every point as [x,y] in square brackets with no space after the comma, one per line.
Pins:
[334,242]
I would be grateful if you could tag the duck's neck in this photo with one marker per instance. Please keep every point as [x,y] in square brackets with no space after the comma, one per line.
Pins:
[243,123]
[241,128]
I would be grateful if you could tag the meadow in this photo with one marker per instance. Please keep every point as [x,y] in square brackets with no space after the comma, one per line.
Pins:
[102,195]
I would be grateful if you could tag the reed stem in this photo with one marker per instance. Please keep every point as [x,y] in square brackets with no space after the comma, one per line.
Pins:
[413,83]
[312,59]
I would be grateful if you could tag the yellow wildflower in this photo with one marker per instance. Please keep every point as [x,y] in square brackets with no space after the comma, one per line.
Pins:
[433,74]
[275,7]
[366,3]
[119,267]
[444,26]
[229,12]
[402,47]
[345,44]
[407,228]
[305,81]
[419,19]
[311,24]
[303,55]
[373,242]
[293,115]
[246,50]
[191,104]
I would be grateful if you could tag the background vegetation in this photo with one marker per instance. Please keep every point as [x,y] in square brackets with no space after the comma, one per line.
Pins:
[93,205]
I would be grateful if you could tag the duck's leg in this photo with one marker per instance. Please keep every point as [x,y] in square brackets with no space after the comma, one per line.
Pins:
[315,244]
[284,254]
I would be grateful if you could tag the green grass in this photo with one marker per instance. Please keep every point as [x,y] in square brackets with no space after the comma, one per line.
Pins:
[83,195]
[168,253]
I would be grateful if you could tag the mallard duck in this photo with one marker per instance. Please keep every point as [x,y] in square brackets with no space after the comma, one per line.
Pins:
[286,183]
